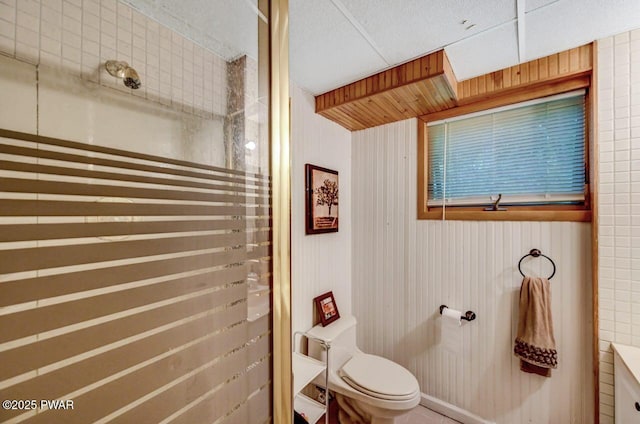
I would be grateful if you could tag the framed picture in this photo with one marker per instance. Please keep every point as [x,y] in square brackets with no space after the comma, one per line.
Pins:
[321,200]
[327,308]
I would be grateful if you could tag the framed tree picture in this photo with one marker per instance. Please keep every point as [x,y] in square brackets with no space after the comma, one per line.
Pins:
[321,200]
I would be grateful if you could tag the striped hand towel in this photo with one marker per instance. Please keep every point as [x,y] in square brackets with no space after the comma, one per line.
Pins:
[535,344]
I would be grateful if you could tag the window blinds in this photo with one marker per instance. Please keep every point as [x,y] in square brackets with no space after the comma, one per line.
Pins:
[532,153]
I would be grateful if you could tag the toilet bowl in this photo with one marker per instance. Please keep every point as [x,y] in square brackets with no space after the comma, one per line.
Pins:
[368,388]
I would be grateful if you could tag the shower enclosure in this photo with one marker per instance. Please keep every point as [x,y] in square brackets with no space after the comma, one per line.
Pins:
[142,231]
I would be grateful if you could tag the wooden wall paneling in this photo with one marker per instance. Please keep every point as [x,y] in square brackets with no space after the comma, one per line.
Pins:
[395,104]
[402,97]
[449,75]
[347,115]
[594,183]
[421,98]
[562,65]
[507,97]
[389,95]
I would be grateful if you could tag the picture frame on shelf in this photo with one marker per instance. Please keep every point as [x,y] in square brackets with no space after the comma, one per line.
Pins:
[327,308]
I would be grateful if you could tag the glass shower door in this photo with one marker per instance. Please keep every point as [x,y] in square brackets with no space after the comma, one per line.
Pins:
[135,214]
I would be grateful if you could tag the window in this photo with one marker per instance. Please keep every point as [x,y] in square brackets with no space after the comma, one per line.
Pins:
[531,155]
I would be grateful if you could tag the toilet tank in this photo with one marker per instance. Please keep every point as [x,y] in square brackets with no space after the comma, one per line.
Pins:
[340,335]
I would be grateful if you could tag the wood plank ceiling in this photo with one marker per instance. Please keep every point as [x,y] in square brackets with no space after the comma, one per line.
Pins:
[427,85]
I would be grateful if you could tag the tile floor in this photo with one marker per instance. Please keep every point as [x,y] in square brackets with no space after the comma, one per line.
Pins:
[420,415]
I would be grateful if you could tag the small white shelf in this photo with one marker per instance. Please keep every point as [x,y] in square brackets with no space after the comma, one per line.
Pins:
[305,369]
[308,407]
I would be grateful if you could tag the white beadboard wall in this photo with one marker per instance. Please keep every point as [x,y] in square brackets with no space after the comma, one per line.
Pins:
[619,203]
[319,262]
[404,269]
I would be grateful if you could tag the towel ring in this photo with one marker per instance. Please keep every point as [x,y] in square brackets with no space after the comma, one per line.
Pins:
[537,253]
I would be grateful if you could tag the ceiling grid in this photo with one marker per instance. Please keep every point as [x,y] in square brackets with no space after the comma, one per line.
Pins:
[336,42]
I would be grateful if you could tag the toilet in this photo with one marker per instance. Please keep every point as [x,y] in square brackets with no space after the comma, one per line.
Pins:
[368,388]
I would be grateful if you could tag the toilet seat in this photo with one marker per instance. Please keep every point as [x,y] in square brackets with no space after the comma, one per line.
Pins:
[379,377]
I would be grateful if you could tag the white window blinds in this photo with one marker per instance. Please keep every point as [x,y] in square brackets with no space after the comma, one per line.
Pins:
[531,153]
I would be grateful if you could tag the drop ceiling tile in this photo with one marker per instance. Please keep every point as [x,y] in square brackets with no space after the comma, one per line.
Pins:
[406,29]
[531,5]
[327,51]
[226,27]
[310,19]
[571,23]
[486,52]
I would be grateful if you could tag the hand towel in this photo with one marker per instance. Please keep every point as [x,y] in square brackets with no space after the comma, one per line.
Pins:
[535,344]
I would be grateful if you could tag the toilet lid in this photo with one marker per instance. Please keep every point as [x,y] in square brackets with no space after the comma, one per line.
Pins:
[379,377]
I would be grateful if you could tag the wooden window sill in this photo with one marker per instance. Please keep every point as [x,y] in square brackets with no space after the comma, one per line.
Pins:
[471,214]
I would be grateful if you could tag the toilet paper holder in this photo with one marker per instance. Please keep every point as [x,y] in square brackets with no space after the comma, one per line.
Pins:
[468,316]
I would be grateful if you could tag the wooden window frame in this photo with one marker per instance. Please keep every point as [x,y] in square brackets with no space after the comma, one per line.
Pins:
[577,213]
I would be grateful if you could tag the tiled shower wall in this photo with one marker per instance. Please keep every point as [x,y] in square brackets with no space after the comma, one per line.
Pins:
[80,35]
[619,203]
[51,84]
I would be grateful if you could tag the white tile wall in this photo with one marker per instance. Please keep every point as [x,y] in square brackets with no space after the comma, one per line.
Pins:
[619,203]
[71,110]
[67,107]
[80,35]
[18,101]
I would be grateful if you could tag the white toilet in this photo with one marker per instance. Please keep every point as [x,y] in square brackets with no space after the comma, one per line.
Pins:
[368,388]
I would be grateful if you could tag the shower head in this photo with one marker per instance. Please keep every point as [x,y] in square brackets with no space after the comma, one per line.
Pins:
[120,69]
[131,78]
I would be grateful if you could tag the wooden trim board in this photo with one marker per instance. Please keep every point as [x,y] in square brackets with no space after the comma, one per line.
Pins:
[427,85]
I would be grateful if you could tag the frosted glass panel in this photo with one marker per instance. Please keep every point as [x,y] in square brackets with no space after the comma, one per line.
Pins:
[135,227]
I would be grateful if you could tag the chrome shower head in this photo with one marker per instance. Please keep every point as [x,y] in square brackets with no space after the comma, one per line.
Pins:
[131,78]
[120,69]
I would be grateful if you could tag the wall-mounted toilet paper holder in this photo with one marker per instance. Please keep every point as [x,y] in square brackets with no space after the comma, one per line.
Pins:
[468,316]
